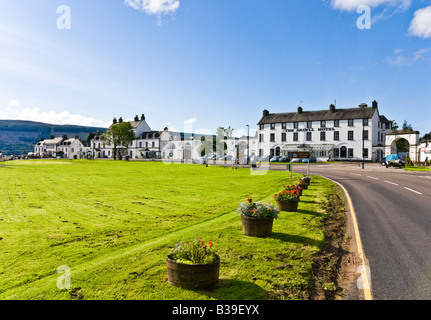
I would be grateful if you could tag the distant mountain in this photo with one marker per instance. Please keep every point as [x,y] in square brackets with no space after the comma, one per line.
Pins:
[18,137]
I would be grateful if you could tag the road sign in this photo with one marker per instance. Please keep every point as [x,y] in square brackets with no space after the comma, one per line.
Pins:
[300,155]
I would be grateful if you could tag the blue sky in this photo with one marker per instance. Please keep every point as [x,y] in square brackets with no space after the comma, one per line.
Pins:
[200,64]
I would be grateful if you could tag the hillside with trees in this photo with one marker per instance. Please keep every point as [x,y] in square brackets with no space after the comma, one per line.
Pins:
[19,137]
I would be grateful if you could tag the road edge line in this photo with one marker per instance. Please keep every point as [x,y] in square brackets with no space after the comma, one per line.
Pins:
[366,280]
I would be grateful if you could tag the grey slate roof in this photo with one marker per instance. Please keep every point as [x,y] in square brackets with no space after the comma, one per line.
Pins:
[337,114]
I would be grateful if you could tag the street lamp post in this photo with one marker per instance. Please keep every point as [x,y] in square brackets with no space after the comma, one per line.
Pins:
[248,146]
[363,140]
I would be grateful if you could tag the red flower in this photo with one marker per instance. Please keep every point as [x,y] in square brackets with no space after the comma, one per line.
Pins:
[249,200]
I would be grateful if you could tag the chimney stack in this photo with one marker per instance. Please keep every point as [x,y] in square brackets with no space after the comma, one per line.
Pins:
[265,113]
[375,104]
[120,120]
[300,110]
[363,105]
[136,118]
[332,108]
[114,121]
[142,117]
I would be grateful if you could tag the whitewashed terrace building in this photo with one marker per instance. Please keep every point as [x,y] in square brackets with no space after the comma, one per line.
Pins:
[74,148]
[151,144]
[48,147]
[332,134]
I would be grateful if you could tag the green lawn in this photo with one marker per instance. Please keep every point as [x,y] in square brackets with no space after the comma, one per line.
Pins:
[416,168]
[113,223]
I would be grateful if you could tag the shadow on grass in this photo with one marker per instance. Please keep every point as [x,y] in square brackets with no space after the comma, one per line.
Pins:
[231,289]
[310,212]
[295,239]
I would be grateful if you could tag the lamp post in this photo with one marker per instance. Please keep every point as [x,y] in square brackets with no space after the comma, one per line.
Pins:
[248,146]
[363,140]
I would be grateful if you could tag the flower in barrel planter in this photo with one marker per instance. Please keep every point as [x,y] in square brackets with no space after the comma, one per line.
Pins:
[293,187]
[306,179]
[287,200]
[302,184]
[193,264]
[257,218]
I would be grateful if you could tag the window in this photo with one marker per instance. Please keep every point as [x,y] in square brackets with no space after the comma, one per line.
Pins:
[283,125]
[350,153]
[337,135]
[309,124]
[260,152]
[261,127]
[153,144]
[283,137]
[350,135]
[323,124]
[365,122]
[365,134]
[323,136]
[351,122]
[295,125]
[272,137]
[261,137]
[295,136]
[365,153]
[272,126]
[309,136]
[336,123]
[336,153]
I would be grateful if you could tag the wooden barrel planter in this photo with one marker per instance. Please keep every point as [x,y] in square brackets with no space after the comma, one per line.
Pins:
[257,227]
[290,206]
[193,276]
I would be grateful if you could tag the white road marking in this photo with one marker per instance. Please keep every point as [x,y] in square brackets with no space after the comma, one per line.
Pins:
[395,184]
[373,178]
[412,190]
[356,174]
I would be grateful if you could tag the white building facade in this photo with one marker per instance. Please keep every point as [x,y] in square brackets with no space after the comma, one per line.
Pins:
[333,134]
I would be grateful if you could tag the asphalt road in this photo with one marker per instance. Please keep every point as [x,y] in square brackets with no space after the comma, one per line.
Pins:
[393,209]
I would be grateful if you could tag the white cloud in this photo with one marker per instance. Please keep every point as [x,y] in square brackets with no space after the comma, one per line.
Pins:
[401,59]
[421,23]
[14,103]
[154,7]
[352,5]
[14,111]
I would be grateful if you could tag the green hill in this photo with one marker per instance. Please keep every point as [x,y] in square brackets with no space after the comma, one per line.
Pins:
[18,137]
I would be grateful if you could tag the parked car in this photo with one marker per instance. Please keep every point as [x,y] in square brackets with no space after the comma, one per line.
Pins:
[296,160]
[311,160]
[274,159]
[200,160]
[393,160]
[382,161]
[284,159]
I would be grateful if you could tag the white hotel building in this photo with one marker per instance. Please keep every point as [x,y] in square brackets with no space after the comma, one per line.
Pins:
[332,134]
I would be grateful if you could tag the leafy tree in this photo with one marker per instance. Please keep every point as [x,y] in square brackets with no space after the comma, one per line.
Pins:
[407,126]
[394,125]
[119,136]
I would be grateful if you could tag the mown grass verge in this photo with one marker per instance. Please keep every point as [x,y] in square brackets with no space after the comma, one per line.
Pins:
[113,223]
